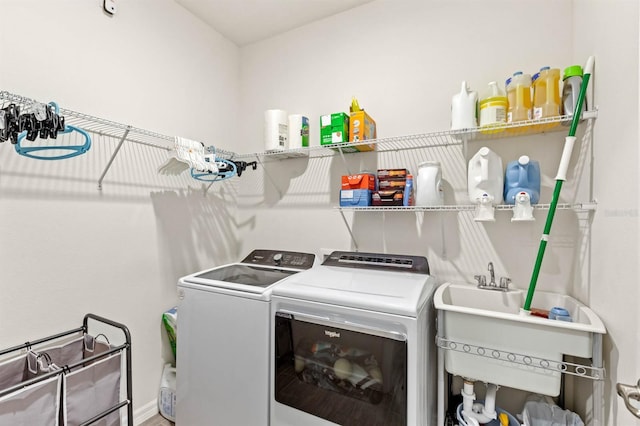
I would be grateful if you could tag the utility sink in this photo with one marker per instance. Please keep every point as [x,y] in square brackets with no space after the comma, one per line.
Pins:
[487,338]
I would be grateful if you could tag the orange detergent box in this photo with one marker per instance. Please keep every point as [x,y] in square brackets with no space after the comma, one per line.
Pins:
[359,181]
[361,128]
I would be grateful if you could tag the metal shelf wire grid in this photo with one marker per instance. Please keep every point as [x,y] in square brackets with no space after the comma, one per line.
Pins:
[430,140]
[468,207]
[103,127]
[563,367]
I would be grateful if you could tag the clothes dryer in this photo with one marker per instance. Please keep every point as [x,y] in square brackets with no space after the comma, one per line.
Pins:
[223,350]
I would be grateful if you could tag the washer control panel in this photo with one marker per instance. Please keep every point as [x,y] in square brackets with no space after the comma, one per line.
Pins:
[279,258]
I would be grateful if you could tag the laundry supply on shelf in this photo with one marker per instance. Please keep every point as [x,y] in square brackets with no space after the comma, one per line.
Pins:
[361,127]
[546,95]
[429,191]
[493,109]
[334,129]
[464,109]
[276,130]
[571,84]
[298,127]
[519,97]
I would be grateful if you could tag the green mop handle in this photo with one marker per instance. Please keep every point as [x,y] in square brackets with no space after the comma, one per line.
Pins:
[560,178]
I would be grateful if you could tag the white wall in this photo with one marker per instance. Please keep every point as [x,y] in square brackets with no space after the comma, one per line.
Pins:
[66,248]
[404,60]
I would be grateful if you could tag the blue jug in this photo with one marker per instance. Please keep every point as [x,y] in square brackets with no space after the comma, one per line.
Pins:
[522,174]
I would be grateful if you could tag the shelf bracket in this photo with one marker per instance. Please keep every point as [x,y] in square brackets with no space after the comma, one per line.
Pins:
[266,172]
[353,239]
[346,166]
[113,156]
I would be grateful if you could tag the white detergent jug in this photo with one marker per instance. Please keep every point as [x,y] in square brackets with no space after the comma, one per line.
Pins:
[464,106]
[485,176]
[428,190]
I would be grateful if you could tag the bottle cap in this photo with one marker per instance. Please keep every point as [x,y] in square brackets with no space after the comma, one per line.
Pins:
[558,313]
[572,71]
[517,73]
[544,68]
[535,76]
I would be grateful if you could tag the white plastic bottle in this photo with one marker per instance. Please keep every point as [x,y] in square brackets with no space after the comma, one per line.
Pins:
[493,108]
[464,107]
[485,176]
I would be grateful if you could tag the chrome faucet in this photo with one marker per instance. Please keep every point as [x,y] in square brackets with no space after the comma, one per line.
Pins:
[492,276]
[492,285]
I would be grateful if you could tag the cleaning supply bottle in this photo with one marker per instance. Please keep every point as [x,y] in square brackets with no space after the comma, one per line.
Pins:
[522,175]
[546,95]
[493,109]
[408,192]
[519,97]
[464,107]
[571,83]
[429,191]
[485,176]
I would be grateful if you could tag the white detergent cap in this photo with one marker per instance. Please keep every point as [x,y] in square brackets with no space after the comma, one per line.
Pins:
[484,151]
[523,160]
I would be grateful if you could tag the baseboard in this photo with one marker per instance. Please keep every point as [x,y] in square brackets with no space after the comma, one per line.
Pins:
[144,413]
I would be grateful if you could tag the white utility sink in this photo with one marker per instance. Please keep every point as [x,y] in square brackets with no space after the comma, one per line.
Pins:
[488,339]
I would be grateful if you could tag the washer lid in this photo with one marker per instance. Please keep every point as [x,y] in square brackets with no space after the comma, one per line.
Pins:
[393,292]
[256,276]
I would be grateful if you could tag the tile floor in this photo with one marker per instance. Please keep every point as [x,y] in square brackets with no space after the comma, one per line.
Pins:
[157,420]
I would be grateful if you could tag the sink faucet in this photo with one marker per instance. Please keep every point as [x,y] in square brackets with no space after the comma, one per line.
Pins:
[492,285]
[492,276]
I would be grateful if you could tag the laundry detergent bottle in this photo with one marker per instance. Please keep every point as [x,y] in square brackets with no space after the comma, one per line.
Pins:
[522,175]
[493,109]
[485,177]
[464,107]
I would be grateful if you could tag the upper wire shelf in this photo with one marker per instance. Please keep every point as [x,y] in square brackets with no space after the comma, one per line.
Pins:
[430,140]
[103,127]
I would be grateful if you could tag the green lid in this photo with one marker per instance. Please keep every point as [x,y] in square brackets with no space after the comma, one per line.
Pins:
[572,71]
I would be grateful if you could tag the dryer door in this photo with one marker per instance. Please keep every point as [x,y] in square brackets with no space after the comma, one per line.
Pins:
[344,373]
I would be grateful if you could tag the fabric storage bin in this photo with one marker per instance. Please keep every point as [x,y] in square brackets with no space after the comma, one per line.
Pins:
[76,380]
[35,404]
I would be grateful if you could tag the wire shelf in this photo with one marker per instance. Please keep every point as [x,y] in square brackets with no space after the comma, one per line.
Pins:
[467,207]
[103,127]
[429,140]
[580,370]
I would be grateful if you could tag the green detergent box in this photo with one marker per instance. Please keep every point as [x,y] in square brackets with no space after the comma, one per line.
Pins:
[334,129]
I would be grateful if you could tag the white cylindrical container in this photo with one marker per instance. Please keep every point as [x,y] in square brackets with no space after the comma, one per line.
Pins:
[298,131]
[276,133]
[428,185]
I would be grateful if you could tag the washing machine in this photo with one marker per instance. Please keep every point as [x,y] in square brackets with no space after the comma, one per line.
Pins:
[354,343]
[222,375]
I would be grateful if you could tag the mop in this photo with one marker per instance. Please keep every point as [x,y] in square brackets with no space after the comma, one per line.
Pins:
[560,178]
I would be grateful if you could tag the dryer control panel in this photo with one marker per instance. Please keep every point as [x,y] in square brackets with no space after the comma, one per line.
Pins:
[390,262]
[281,259]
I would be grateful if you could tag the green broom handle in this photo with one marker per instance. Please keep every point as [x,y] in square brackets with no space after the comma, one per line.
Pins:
[556,192]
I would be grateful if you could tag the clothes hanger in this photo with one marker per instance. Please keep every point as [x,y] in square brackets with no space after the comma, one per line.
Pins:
[54,126]
[226,169]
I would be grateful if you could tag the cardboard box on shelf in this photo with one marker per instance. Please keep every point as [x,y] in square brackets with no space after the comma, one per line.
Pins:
[392,173]
[391,183]
[387,198]
[359,181]
[334,129]
[355,198]
[362,127]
